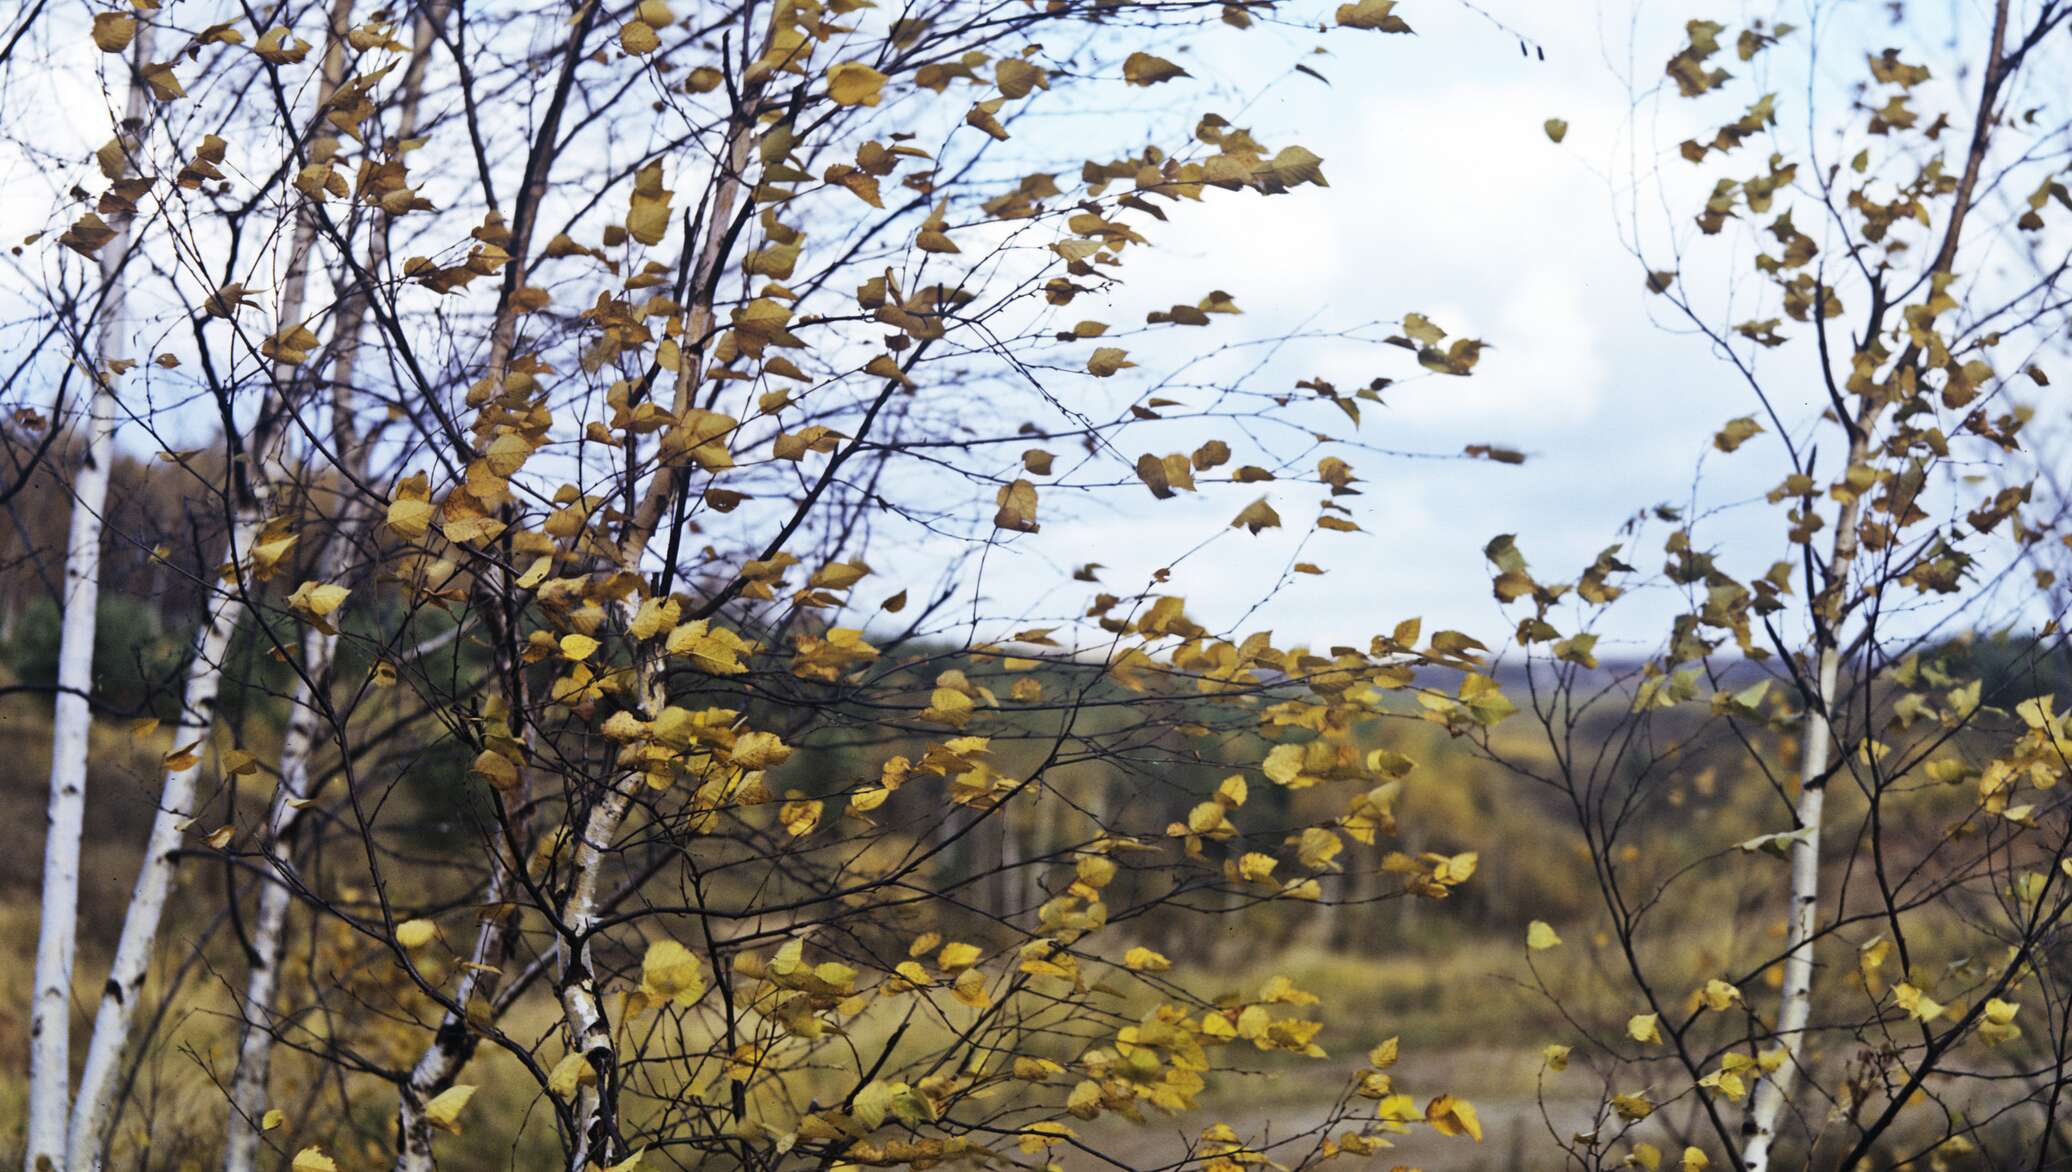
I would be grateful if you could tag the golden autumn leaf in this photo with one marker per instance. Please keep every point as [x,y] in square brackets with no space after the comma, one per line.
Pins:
[1378,15]
[637,37]
[852,83]
[443,1109]
[1107,360]
[1257,516]
[1146,69]
[113,31]
[1645,1028]
[1452,1116]
[670,972]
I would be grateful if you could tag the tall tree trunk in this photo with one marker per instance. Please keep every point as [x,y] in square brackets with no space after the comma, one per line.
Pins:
[50,1014]
[93,1112]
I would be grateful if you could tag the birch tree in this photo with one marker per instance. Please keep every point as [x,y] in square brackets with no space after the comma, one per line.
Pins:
[579,376]
[50,1029]
[1890,317]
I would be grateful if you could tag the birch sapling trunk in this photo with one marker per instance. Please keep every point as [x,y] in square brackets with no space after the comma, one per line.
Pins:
[50,1014]
[1832,606]
[93,1111]
[588,1029]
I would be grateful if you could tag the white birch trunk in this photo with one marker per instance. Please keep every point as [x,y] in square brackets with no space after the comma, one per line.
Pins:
[1831,608]
[583,1013]
[50,1014]
[1795,1010]
[94,1109]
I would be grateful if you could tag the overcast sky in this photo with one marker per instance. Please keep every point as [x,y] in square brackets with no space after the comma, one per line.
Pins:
[1447,198]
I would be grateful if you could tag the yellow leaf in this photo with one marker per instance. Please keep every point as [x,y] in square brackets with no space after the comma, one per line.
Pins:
[638,38]
[1377,15]
[535,573]
[113,31]
[970,988]
[1107,360]
[1144,960]
[1556,129]
[317,600]
[496,769]
[1540,936]
[410,513]
[1257,516]
[1645,1028]
[1918,1005]
[670,972]
[415,934]
[1633,1108]
[313,1159]
[572,1072]
[1145,69]
[443,1109]
[1017,501]
[1718,995]
[852,83]
[1451,1116]
[956,956]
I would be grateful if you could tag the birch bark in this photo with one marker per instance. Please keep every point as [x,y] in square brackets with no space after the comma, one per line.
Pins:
[50,1015]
